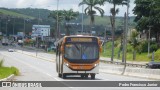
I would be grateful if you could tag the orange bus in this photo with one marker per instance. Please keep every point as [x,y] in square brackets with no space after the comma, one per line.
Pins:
[78,55]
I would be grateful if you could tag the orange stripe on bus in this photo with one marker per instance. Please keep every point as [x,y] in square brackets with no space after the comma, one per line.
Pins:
[77,66]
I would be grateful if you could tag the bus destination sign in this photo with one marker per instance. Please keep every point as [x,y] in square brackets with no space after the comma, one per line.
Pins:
[81,39]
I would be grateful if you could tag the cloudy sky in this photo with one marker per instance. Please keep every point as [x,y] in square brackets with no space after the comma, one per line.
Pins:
[63,4]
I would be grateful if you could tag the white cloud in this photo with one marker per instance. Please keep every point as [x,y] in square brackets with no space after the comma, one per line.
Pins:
[63,4]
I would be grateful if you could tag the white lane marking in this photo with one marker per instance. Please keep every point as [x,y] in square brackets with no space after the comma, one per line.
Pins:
[57,79]
[43,71]
[40,70]
[42,58]
[48,74]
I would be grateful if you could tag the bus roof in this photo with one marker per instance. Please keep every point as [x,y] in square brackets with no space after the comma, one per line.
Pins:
[80,36]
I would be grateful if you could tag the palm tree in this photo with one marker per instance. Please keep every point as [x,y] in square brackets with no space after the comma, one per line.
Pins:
[91,9]
[53,15]
[68,16]
[113,12]
[134,42]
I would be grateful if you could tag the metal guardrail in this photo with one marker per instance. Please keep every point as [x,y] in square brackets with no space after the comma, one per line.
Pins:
[136,65]
[127,64]
[32,48]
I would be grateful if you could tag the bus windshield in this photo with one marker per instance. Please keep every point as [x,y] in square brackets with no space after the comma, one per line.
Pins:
[81,51]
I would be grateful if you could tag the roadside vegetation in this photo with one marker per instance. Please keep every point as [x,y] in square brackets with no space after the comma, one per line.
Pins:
[7,71]
[140,55]
[51,52]
[146,23]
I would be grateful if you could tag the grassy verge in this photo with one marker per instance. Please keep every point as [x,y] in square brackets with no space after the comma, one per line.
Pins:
[139,57]
[7,71]
[51,52]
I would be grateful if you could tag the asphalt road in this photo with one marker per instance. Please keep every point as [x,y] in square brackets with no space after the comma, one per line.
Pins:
[36,69]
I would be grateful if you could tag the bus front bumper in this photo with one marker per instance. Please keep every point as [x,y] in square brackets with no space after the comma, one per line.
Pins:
[66,70]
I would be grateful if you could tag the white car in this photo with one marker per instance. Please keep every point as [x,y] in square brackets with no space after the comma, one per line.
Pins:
[10,50]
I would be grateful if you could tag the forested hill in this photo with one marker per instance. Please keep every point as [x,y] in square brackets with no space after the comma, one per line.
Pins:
[43,14]
[10,13]
[34,12]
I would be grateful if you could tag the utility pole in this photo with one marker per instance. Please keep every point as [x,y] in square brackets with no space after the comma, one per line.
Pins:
[13,24]
[0,25]
[57,31]
[105,39]
[38,16]
[37,46]
[38,35]
[6,27]
[149,32]
[112,19]
[82,19]
[24,27]
[125,37]
[23,33]
[124,40]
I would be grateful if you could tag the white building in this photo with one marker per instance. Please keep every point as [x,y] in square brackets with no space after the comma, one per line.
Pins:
[41,30]
[20,33]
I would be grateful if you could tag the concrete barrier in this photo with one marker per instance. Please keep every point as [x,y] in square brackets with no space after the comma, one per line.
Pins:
[142,72]
[33,55]
[130,71]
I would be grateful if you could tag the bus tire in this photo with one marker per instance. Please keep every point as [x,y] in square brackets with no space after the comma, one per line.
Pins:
[63,76]
[86,76]
[59,75]
[82,75]
[57,66]
[93,76]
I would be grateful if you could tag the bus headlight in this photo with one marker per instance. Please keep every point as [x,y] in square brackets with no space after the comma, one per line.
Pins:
[95,65]
[67,64]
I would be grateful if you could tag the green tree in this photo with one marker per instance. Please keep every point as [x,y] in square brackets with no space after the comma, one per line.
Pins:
[113,12]
[91,9]
[60,16]
[148,14]
[134,42]
[68,16]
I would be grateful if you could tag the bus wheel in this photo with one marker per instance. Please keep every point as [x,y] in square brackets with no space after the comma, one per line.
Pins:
[82,75]
[63,76]
[92,76]
[86,76]
[59,75]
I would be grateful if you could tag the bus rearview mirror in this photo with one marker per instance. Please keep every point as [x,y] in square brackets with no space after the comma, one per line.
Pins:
[100,49]
[62,48]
